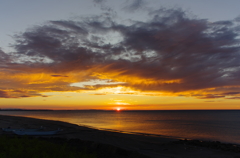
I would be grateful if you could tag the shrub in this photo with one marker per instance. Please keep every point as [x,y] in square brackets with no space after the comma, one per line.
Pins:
[24,147]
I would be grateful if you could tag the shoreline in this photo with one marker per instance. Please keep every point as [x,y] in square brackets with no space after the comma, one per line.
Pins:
[155,146]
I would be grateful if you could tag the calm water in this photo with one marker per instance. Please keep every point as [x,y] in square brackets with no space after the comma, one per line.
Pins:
[223,126]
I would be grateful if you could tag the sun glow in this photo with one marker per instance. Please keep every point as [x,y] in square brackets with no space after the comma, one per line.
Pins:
[122,103]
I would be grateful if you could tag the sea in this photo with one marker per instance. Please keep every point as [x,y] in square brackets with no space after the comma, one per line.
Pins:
[207,125]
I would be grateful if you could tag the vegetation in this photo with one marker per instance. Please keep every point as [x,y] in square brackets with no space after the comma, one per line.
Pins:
[24,147]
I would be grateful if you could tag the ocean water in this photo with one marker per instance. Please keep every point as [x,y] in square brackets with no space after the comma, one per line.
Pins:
[214,125]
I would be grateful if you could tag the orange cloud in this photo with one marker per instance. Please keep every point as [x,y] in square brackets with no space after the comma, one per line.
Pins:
[168,54]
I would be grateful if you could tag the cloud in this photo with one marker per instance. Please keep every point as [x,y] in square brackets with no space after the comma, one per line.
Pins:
[170,52]
[4,59]
[58,76]
[103,6]
[231,93]
[18,94]
[234,98]
[133,5]
[99,1]
[211,96]
[3,94]
[98,94]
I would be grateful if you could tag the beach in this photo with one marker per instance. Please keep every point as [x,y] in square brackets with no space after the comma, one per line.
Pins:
[118,144]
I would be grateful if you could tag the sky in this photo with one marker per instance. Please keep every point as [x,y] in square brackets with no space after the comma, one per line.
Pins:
[130,54]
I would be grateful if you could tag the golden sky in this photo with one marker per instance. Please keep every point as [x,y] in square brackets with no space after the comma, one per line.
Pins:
[170,60]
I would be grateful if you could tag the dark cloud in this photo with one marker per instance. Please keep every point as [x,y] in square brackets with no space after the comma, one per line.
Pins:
[211,96]
[18,94]
[4,94]
[58,76]
[103,6]
[99,1]
[4,59]
[170,52]
[19,91]
[234,98]
[25,96]
[231,93]
[133,5]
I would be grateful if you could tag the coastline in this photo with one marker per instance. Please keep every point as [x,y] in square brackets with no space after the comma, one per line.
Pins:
[155,146]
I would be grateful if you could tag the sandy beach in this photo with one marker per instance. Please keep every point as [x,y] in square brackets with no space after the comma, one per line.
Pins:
[117,144]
